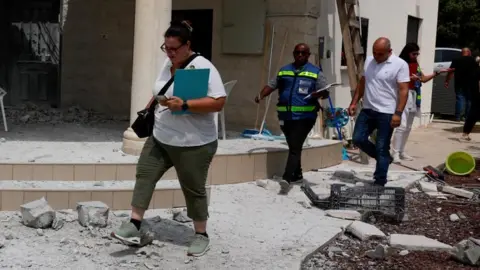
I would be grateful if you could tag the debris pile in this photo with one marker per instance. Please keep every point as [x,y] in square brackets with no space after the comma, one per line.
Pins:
[32,114]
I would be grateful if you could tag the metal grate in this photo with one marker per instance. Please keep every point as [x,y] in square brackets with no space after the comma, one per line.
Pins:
[389,201]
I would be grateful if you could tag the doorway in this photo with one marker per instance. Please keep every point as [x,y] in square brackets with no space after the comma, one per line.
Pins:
[413,28]
[30,55]
[202,24]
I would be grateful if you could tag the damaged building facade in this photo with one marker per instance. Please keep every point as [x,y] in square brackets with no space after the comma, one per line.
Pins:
[104,55]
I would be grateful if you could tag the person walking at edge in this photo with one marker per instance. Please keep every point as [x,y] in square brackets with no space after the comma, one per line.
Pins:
[474,113]
[384,89]
[463,70]
[410,54]
[296,115]
[187,142]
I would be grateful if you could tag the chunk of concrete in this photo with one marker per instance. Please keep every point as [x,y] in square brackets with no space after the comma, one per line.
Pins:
[473,254]
[417,243]
[181,216]
[37,214]
[458,192]
[427,186]
[454,217]
[344,175]
[93,213]
[344,214]
[380,252]
[365,231]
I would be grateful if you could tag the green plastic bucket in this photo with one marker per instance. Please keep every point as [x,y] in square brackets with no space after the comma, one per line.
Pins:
[460,163]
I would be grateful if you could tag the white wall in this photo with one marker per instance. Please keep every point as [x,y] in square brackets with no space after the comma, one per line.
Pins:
[386,18]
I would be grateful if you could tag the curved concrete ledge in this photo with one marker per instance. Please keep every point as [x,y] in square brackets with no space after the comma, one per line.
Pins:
[252,164]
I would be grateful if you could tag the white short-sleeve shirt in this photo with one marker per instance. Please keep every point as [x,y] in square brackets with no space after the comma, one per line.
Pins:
[381,83]
[189,129]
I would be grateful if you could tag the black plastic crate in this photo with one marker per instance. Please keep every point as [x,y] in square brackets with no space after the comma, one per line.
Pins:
[389,201]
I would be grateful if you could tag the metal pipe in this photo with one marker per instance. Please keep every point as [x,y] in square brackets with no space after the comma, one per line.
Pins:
[269,98]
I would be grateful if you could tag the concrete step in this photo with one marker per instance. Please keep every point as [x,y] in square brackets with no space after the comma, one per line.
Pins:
[66,194]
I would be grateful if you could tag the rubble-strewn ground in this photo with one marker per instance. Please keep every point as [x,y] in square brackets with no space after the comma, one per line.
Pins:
[425,216]
[250,227]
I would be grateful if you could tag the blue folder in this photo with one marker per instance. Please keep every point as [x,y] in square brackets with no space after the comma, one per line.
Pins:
[190,84]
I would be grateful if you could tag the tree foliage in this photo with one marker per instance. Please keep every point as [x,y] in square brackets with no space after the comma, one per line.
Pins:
[459,24]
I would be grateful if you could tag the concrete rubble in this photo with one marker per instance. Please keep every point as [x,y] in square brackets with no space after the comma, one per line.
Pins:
[467,251]
[380,252]
[458,192]
[180,215]
[37,214]
[427,186]
[344,214]
[365,231]
[31,113]
[93,213]
[417,243]
[454,217]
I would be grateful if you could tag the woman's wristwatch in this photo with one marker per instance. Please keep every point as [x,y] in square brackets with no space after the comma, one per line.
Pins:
[184,106]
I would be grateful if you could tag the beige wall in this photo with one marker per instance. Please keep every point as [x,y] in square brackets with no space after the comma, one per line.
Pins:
[390,24]
[298,16]
[98,46]
[97,53]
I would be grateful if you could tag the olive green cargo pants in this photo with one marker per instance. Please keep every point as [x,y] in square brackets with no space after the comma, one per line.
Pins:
[191,165]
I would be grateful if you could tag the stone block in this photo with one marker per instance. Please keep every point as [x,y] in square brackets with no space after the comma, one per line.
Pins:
[417,242]
[380,252]
[458,192]
[364,231]
[93,213]
[37,214]
[344,214]
[427,186]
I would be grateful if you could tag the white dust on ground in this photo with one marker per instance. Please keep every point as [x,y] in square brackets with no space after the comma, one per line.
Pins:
[79,144]
[250,227]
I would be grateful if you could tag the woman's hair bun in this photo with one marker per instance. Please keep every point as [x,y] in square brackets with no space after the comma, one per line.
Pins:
[183,23]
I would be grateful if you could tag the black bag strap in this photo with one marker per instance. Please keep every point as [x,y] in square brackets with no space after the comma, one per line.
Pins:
[169,83]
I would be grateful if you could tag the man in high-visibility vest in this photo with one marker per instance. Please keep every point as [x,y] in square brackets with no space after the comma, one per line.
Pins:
[296,114]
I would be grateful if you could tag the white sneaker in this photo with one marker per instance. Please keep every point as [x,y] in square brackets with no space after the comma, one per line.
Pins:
[396,158]
[406,157]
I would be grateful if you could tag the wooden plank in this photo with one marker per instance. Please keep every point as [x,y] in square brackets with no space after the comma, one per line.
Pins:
[351,46]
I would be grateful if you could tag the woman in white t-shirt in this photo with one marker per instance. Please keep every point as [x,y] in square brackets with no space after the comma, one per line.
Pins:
[187,142]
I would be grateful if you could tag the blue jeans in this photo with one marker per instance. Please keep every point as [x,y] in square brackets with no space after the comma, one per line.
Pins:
[462,105]
[368,121]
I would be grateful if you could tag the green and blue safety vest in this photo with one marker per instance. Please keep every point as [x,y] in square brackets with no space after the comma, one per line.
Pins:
[293,86]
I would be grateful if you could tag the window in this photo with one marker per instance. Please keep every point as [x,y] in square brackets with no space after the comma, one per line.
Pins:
[363,40]
[413,26]
[446,55]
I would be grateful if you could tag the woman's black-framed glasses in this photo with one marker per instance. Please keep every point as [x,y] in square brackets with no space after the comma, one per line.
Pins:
[170,50]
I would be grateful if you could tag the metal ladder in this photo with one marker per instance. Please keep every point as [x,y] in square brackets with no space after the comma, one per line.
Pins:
[354,53]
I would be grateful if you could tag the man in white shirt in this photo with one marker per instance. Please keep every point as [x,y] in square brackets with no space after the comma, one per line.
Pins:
[384,89]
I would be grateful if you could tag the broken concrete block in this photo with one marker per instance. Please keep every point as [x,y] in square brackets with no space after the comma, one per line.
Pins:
[417,242]
[344,175]
[458,192]
[454,217]
[344,214]
[93,214]
[428,187]
[58,223]
[181,216]
[262,183]
[364,231]
[380,252]
[414,190]
[403,252]
[467,252]
[473,254]
[461,215]
[37,214]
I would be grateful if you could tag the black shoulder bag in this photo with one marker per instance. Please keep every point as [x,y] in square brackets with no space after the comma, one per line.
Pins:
[143,125]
